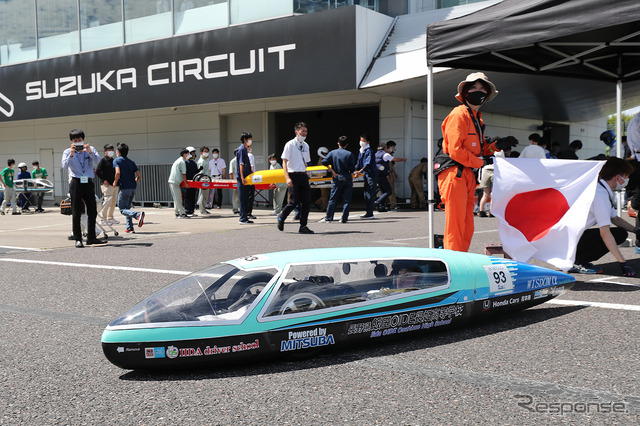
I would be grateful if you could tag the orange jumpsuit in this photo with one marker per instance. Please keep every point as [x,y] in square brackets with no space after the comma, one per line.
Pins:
[462,143]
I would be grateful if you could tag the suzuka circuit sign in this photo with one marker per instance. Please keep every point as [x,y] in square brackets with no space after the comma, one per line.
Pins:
[282,57]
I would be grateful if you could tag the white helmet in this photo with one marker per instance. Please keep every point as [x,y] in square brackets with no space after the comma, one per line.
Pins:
[23,164]
[323,151]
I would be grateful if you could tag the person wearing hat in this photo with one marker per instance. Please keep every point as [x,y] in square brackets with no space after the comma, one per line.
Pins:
[39,173]
[25,197]
[463,142]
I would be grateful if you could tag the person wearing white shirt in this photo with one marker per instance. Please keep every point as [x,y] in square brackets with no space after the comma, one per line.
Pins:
[295,158]
[80,160]
[534,150]
[203,166]
[218,170]
[596,242]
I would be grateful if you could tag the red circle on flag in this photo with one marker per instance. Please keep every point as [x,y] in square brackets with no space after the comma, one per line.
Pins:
[534,213]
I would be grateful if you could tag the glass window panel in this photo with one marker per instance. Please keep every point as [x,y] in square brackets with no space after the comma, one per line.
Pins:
[147,19]
[255,10]
[317,286]
[101,23]
[57,27]
[17,31]
[191,15]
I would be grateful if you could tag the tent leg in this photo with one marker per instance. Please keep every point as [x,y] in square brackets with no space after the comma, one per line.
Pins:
[430,152]
[619,148]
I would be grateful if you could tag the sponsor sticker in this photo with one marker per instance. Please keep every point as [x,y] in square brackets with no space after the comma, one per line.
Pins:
[157,352]
[257,179]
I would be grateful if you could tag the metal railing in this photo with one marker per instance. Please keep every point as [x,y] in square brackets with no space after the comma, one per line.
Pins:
[153,187]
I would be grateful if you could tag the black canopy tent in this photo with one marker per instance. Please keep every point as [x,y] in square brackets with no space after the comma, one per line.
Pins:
[578,39]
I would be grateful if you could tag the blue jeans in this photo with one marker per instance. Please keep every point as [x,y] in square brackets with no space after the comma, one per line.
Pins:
[339,188]
[370,186]
[125,198]
[385,188]
[243,193]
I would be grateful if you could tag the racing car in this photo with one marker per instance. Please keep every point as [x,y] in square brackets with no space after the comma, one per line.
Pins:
[295,302]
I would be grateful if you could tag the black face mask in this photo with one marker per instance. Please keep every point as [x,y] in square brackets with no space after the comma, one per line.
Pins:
[476,98]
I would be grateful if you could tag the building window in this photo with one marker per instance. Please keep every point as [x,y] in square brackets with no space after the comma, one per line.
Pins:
[190,16]
[57,27]
[147,19]
[256,10]
[17,32]
[450,3]
[388,7]
[100,24]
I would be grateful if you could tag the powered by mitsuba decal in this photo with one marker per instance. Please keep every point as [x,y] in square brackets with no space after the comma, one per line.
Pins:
[307,339]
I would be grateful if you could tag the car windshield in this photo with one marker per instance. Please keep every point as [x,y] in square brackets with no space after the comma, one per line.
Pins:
[222,292]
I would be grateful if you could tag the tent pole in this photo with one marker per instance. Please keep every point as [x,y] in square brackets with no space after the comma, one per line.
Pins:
[430,176]
[619,148]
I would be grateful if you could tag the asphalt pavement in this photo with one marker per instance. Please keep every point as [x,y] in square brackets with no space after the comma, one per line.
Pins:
[570,361]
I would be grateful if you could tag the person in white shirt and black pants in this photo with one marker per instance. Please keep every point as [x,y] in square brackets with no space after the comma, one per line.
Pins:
[295,158]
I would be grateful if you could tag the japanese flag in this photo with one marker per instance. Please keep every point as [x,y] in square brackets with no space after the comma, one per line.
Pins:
[542,206]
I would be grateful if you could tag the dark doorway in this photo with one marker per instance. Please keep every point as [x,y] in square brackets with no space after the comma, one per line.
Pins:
[555,132]
[326,126]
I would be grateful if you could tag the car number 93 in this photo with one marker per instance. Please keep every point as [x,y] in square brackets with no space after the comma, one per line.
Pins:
[499,278]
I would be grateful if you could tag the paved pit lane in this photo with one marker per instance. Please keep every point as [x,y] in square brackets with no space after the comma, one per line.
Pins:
[573,361]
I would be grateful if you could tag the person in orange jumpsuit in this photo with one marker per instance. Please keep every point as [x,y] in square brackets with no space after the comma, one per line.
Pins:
[463,142]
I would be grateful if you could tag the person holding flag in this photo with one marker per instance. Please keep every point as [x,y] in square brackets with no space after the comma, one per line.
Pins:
[574,196]
[596,242]
[463,147]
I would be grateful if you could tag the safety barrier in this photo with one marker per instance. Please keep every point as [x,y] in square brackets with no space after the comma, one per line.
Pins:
[153,187]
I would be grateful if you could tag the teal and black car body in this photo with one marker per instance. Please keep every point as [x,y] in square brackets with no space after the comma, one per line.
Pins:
[299,301]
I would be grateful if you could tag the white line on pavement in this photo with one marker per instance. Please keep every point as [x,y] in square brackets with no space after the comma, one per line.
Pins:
[611,280]
[594,304]
[22,248]
[86,265]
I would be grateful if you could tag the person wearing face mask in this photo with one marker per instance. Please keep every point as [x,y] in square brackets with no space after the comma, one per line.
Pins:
[203,166]
[366,164]
[280,190]
[598,241]
[463,150]
[342,164]
[106,173]
[218,170]
[295,159]
[191,194]
[178,176]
